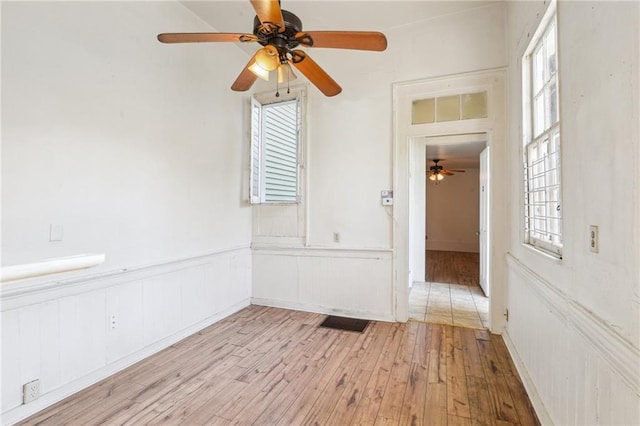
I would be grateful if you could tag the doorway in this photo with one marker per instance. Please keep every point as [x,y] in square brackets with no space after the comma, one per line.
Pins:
[450,192]
[408,137]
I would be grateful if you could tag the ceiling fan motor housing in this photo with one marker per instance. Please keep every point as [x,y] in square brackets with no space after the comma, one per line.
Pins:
[285,40]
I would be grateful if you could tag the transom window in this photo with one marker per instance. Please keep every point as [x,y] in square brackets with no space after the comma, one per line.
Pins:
[275,134]
[541,138]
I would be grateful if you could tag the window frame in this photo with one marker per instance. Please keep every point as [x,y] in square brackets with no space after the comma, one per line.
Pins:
[257,193]
[548,237]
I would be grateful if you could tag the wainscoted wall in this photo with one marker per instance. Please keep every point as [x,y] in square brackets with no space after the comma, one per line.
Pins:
[574,323]
[578,369]
[74,332]
[352,283]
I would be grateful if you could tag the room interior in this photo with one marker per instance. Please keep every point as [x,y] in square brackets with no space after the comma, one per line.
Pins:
[135,155]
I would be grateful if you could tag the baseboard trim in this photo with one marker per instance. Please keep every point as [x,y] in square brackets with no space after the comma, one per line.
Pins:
[23,411]
[530,387]
[319,309]
[621,356]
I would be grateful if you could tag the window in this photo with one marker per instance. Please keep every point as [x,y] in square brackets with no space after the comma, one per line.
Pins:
[541,138]
[275,134]
[449,108]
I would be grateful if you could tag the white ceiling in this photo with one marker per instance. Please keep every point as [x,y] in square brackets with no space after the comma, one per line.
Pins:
[458,152]
[359,15]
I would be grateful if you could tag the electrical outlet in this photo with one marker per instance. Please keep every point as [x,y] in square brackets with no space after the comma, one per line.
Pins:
[30,391]
[336,237]
[593,238]
[56,232]
[112,322]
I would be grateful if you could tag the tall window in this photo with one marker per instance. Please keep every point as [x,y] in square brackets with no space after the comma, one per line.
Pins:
[542,185]
[275,131]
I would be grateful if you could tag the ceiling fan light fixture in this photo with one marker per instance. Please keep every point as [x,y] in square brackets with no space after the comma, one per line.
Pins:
[285,73]
[268,58]
[436,177]
[259,71]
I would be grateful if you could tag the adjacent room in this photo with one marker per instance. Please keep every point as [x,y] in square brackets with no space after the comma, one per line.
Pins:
[225,212]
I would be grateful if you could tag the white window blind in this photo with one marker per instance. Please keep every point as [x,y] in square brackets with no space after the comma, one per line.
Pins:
[542,184]
[274,152]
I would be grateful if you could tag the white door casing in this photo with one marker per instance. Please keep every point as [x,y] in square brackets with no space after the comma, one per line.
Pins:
[483,226]
[494,126]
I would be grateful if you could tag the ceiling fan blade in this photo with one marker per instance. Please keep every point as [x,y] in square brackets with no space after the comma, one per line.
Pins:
[457,171]
[358,40]
[206,37]
[246,78]
[314,73]
[269,12]
[446,172]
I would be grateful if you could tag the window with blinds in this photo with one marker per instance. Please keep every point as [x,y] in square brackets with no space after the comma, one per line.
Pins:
[274,151]
[542,184]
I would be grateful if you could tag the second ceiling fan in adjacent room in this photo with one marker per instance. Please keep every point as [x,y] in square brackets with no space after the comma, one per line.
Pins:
[436,172]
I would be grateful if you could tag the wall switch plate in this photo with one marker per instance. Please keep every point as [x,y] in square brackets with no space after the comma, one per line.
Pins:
[56,232]
[387,197]
[336,237]
[593,238]
[30,391]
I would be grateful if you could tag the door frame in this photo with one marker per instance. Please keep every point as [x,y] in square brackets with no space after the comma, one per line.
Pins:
[404,132]
[418,186]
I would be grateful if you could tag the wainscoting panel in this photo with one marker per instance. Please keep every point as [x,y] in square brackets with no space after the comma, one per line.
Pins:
[577,369]
[70,334]
[355,283]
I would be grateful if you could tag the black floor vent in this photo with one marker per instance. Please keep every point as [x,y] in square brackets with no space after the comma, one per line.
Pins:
[348,324]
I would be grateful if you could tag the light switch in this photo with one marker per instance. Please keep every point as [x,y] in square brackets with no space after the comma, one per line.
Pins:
[387,197]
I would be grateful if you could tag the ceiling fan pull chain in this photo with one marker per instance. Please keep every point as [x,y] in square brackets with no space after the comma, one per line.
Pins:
[277,89]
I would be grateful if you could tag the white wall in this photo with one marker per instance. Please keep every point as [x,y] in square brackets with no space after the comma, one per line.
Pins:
[349,152]
[574,323]
[453,212]
[136,149]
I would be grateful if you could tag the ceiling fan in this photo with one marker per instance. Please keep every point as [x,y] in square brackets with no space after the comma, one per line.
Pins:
[437,172]
[280,33]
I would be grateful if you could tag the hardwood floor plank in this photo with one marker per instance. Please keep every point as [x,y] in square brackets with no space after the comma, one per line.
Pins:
[354,392]
[297,385]
[526,413]
[416,389]
[367,410]
[435,407]
[268,366]
[437,355]
[501,400]
[299,369]
[458,421]
[391,407]
[453,267]
[457,397]
[328,400]
[321,383]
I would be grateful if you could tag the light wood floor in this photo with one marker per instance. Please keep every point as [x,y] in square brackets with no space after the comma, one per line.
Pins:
[267,366]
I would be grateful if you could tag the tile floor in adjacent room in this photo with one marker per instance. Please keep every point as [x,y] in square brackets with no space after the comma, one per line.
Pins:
[449,304]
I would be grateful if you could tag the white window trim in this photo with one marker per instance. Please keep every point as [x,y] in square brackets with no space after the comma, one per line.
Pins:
[265,98]
[527,129]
